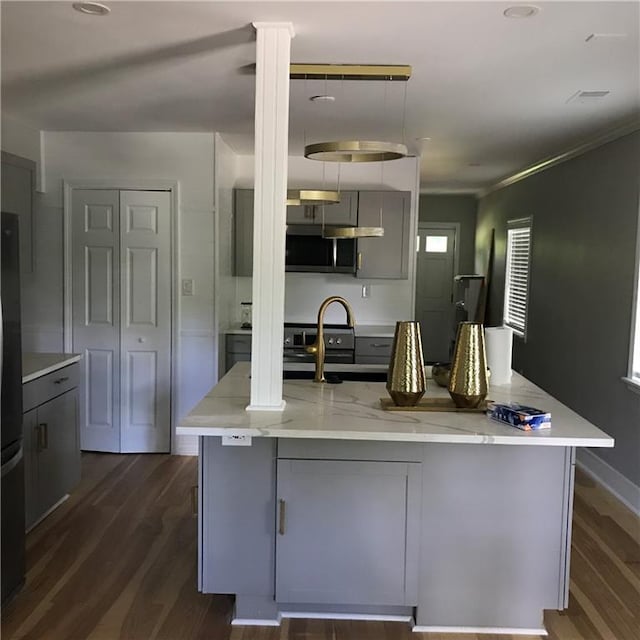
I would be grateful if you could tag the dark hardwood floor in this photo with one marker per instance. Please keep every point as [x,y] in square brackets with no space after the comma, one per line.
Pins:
[117,561]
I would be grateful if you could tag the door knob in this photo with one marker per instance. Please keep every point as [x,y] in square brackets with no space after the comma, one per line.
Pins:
[141,340]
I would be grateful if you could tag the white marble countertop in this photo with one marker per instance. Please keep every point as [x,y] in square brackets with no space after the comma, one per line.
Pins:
[237,330]
[351,411]
[35,365]
[360,330]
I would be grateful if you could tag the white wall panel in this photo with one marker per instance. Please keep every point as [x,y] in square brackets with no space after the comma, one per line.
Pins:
[98,218]
[99,286]
[142,270]
[142,391]
[99,365]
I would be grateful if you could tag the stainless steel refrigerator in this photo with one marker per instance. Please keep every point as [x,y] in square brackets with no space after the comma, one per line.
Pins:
[12,490]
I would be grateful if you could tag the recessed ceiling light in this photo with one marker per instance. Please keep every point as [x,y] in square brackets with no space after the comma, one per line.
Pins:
[322,99]
[92,8]
[521,11]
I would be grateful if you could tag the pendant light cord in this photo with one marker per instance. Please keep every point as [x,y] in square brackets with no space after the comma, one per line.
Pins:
[404,115]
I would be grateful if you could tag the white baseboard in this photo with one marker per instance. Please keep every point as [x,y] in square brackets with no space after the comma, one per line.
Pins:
[493,630]
[185,445]
[250,622]
[315,615]
[611,479]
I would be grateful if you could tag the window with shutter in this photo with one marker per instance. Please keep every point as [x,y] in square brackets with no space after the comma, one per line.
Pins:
[516,292]
[634,364]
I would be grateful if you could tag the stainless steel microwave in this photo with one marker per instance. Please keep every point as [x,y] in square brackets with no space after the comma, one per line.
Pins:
[307,251]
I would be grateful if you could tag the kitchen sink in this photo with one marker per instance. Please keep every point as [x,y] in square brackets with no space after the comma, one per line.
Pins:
[338,377]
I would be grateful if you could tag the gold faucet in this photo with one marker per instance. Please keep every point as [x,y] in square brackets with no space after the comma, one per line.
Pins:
[318,348]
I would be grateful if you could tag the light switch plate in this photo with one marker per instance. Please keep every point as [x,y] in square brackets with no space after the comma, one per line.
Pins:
[187,287]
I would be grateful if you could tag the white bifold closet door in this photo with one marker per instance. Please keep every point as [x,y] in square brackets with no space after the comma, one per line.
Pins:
[121,245]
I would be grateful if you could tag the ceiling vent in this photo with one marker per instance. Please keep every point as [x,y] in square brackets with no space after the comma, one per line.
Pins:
[587,97]
[598,37]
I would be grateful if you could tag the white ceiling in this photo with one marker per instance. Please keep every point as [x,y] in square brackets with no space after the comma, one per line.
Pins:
[491,93]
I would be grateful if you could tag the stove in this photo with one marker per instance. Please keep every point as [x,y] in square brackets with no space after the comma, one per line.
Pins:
[339,341]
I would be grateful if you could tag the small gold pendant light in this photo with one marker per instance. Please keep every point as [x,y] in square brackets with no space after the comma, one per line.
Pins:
[315,197]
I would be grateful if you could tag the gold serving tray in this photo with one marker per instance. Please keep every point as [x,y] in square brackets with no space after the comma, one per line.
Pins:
[432,404]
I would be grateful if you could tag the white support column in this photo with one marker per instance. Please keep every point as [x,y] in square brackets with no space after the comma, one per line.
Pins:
[273,56]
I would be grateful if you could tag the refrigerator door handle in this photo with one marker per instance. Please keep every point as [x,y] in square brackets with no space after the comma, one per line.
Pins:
[11,464]
[1,337]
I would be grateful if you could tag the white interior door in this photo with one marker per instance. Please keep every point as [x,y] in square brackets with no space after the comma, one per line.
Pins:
[434,290]
[145,312]
[122,317]
[96,314]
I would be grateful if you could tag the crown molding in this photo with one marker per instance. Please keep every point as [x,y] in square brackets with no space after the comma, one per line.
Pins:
[601,139]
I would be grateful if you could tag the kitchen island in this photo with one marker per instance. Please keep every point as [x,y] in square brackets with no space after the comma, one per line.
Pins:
[336,506]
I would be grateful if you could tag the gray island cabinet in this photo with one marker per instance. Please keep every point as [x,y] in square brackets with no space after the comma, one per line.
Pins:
[335,506]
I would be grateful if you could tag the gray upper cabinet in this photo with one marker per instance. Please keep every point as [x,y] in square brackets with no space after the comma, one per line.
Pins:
[243,232]
[345,213]
[388,256]
[300,214]
[18,187]
[344,532]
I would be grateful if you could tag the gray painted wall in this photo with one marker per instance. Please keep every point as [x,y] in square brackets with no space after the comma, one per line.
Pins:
[585,218]
[454,208]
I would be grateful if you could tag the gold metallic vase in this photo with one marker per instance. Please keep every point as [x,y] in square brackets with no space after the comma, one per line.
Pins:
[468,378]
[405,381]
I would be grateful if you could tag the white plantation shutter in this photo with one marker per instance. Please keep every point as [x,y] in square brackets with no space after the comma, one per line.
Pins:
[517,277]
[635,336]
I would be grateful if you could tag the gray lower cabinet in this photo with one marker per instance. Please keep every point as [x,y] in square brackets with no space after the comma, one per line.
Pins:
[237,349]
[343,532]
[388,256]
[51,440]
[373,350]
[470,535]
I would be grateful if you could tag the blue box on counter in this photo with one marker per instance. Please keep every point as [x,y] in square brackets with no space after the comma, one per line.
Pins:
[519,415]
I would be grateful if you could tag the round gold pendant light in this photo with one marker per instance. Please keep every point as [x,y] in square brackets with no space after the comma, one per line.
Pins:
[351,151]
[312,197]
[355,151]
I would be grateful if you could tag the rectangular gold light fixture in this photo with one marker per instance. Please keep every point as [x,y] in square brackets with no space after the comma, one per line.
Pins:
[302,71]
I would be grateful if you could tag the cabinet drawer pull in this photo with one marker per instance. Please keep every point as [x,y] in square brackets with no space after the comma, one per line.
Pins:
[42,436]
[281,518]
[194,499]
[61,380]
[377,345]
[359,263]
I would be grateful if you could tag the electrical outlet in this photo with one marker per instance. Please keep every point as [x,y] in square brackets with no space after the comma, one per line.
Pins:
[236,441]
[366,290]
[187,287]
